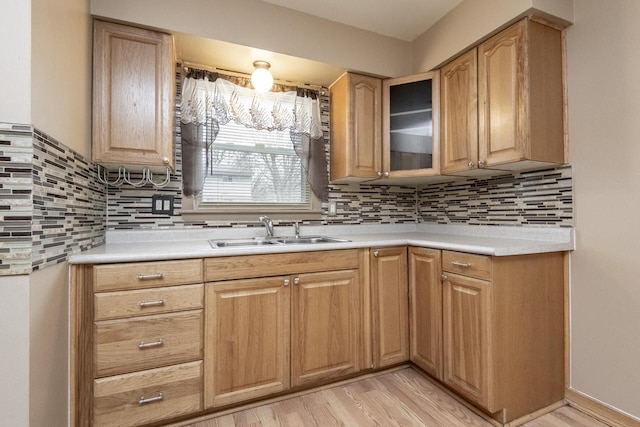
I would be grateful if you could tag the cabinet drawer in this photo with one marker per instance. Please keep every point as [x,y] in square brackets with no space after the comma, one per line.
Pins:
[114,305]
[250,266]
[478,266]
[139,343]
[167,393]
[139,275]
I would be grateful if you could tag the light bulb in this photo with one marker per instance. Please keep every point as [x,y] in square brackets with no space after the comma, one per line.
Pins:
[261,79]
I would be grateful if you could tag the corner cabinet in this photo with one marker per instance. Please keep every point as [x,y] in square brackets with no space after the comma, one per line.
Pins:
[385,131]
[410,127]
[503,103]
[133,97]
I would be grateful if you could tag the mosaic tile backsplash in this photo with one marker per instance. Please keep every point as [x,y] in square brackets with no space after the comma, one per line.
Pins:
[539,198]
[69,204]
[526,199]
[50,203]
[16,205]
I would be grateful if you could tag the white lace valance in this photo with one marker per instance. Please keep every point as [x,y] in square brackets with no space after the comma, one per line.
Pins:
[223,101]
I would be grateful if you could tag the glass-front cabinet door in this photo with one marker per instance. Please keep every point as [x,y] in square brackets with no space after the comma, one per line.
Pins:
[410,126]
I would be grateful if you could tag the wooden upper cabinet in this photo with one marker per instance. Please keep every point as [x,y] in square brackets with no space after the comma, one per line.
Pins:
[355,128]
[425,310]
[521,96]
[520,103]
[410,126]
[459,118]
[325,326]
[389,289]
[133,97]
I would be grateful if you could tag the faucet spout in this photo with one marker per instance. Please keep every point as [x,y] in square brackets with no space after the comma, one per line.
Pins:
[266,221]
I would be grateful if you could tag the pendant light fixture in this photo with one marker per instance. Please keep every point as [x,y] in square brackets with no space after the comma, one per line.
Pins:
[261,79]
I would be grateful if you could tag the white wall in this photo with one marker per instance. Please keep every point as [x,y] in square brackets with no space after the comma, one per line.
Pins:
[603,50]
[49,340]
[61,71]
[265,26]
[471,21]
[15,61]
[14,351]
[15,101]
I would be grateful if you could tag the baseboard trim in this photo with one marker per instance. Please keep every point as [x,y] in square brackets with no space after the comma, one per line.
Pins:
[598,410]
[537,414]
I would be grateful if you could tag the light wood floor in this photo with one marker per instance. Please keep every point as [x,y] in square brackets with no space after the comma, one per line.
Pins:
[400,398]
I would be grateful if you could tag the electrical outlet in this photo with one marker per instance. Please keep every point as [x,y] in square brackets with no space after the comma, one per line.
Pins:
[162,204]
[332,208]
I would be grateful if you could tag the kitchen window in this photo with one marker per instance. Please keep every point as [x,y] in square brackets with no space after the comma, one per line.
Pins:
[246,152]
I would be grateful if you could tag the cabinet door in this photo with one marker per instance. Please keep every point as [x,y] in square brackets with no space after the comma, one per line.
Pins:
[389,287]
[325,326]
[133,96]
[425,308]
[466,333]
[410,125]
[459,114]
[356,128]
[503,99]
[246,339]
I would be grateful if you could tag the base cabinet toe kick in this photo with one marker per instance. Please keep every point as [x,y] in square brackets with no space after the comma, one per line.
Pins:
[162,341]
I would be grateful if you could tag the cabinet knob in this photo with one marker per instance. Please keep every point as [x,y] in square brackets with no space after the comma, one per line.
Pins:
[165,160]
[379,174]
[471,165]
[286,282]
[375,253]
[296,280]
[386,174]
[444,277]
[480,163]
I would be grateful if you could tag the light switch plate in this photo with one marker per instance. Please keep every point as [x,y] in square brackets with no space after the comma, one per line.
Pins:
[162,204]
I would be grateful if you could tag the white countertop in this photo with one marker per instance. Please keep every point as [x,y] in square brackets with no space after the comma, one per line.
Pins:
[154,245]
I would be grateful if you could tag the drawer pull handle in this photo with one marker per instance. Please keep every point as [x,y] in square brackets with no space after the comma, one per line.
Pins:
[461,264]
[144,345]
[144,304]
[144,400]
[150,276]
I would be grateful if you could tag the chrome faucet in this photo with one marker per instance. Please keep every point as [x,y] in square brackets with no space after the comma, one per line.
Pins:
[296,227]
[268,224]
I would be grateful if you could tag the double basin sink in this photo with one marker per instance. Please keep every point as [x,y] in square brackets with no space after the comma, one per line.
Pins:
[275,240]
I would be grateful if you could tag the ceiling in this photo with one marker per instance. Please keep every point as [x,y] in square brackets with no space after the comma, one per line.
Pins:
[400,19]
[379,16]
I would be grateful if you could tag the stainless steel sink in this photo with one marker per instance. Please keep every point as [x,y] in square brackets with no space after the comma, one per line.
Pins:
[292,240]
[238,243]
[275,240]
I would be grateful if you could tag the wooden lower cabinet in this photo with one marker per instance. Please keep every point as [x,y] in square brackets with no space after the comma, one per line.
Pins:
[267,335]
[325,324]
[148,396]
[246,339]
[503,333]
[466,319]
[389,289]
[425,310]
